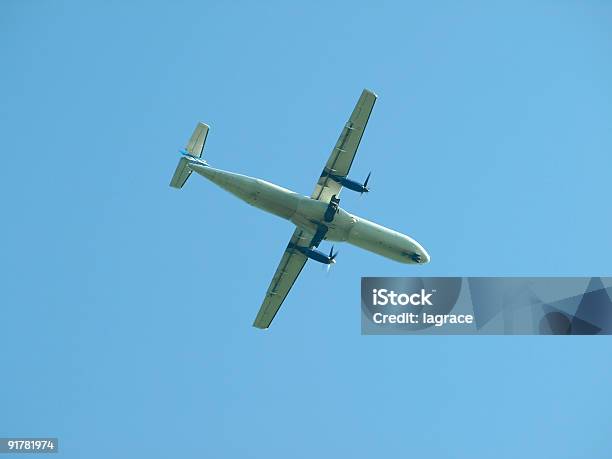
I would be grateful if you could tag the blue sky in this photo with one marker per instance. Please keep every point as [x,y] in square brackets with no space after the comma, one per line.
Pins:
[127,305]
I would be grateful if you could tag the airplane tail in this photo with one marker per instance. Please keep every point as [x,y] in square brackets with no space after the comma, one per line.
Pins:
[193,151]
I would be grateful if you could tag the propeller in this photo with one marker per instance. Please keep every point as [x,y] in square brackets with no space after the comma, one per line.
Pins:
[365,184]
[332,255]
[332,258]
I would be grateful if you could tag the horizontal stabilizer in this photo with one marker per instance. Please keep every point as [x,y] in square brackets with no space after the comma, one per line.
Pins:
[181,174]
[195,146]
[193,150]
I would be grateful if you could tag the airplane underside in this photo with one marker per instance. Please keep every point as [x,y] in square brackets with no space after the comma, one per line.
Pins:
[318,217]
[324,221]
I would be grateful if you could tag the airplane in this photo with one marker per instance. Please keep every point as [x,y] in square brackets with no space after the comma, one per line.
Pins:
[317,218]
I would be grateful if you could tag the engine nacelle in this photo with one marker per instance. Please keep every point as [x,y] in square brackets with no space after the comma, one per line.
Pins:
[351,184]
[317,255]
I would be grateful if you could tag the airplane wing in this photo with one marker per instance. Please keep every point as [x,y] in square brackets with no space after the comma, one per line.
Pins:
[287,272]
[338,164]
[341,157]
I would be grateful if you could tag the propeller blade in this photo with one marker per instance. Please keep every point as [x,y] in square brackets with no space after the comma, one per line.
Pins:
[365,184]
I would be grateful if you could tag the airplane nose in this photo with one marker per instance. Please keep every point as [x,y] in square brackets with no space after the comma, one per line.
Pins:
[414,253]
[421,256]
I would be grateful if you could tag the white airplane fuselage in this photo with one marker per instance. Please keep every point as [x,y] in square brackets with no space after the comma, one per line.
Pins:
[308,214]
